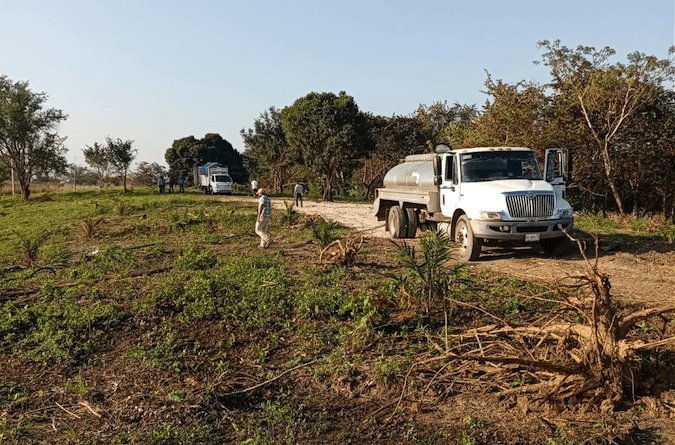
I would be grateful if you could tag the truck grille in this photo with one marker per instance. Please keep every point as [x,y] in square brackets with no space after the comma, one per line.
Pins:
[530,205]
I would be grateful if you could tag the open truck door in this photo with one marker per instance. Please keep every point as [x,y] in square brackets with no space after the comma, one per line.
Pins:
[557,170]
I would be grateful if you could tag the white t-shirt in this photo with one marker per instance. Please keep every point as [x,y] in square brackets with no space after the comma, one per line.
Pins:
[254,184]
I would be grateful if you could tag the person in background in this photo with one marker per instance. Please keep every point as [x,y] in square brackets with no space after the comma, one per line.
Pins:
[263,220]
[298,192]
[161,182]
[171,181]
[181,185]
[254,187]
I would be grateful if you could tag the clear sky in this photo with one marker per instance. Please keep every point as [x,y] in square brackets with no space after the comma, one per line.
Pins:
[158,70]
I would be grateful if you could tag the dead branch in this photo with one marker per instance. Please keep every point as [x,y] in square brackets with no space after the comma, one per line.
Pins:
[267,382]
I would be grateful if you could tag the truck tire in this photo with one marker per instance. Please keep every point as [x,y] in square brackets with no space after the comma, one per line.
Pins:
[469,245]
[552,246]
[412,223]
[396,221]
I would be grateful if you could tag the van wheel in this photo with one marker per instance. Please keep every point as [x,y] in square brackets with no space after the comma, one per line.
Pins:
[469,245]
[412,223]
[396,221]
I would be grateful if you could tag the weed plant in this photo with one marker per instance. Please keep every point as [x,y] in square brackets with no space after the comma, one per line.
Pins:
[290,216]
[325,232]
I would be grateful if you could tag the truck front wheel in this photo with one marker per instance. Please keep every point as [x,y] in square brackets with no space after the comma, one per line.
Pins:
[552,246]
[469,245]
[396,221]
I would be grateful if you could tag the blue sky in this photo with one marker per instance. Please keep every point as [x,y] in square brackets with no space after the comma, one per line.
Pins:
[154,71]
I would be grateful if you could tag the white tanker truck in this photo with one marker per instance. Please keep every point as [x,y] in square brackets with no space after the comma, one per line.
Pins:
[478,195]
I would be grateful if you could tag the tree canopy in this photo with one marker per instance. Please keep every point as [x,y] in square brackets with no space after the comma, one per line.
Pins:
[328,133]
[189,152]
[267,151]
[29,141]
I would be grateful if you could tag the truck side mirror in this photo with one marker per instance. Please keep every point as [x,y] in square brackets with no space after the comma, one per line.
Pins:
[438,179]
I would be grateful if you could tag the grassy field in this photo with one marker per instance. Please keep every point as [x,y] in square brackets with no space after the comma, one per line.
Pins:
[155,319]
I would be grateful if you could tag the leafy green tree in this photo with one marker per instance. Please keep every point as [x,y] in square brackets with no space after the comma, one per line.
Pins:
[608,94]
[99,159]
[514,115]
[266,148]
[445,124]
[646,158]
[183,156]
[29,142]
[393,138]
[148,173]
[188,152]
[328,133]
[5,174]
[121,155]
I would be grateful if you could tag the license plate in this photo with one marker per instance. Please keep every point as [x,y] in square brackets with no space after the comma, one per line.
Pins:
[530,237]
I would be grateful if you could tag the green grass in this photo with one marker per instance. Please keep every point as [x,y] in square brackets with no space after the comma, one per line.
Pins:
[655,227]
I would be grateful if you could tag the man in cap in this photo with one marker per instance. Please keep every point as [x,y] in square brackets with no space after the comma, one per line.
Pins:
[263,219]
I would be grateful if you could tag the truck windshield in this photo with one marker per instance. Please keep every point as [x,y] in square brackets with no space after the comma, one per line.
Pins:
[222,178]
[496,165]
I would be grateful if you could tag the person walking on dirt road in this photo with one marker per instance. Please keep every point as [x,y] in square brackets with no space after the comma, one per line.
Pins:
[298,192]
[263,219]
[254,187]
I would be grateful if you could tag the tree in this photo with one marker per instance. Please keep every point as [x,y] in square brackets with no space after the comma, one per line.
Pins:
[98,158]
[121,155]
[29,142]
[328,134]
[5,174]
[446,124]
[183,156]
[514,115]
[266,148]
[607,94]
[148,173]
[393,138]
[188,152]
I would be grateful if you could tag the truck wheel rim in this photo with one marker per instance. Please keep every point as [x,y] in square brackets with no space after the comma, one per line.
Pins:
[464,234]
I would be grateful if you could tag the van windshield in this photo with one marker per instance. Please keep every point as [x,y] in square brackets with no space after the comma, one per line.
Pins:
[222,178]
[496,165]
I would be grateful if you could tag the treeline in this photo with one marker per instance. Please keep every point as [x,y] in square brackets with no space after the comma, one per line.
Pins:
[616,117]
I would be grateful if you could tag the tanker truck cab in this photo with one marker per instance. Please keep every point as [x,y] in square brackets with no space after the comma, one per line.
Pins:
[483,194]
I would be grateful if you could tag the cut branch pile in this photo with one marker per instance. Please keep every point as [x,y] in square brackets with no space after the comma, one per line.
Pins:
[343,252]
[593,359]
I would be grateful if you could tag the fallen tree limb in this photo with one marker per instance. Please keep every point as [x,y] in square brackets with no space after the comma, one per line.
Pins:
[267,382]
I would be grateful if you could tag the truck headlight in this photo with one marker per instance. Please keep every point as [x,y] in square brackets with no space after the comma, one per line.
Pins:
[491,215]
[565,213]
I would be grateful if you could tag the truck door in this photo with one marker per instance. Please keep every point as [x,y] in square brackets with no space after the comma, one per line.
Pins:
[450,186]
[557,170]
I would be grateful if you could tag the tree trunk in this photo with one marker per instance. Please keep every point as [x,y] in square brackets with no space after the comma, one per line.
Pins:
[610,179]
[125,180]
[25,190]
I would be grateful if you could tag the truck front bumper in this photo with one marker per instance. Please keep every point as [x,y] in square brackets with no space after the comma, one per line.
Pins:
[523,231]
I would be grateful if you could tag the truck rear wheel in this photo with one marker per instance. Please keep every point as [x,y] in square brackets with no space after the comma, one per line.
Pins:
[469,245]
[412,223]
[396,221]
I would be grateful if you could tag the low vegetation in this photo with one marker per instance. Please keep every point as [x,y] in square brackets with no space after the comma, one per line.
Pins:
[164,324]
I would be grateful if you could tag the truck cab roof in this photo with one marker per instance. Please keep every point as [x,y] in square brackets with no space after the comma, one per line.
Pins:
[430,156]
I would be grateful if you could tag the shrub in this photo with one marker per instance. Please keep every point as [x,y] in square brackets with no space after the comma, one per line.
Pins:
[325,232]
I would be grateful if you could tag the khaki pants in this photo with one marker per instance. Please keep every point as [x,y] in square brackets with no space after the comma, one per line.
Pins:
[262,229]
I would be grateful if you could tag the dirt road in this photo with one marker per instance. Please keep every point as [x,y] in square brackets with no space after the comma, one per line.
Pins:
[642,272]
